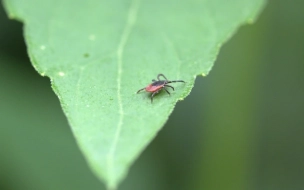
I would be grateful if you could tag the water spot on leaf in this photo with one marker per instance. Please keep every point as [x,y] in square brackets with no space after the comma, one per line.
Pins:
[92,37]
[61,73]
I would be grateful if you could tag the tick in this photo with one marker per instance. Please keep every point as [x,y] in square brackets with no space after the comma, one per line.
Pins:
[158,85]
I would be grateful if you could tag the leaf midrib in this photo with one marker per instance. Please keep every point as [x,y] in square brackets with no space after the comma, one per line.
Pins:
[131,20]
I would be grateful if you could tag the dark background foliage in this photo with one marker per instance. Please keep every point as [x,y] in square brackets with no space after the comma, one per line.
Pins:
[242,127]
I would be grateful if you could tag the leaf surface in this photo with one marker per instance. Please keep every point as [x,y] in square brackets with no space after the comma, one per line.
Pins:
[99,53]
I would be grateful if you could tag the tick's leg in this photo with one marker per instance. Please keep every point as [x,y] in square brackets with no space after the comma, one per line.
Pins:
[161,75]
[169,86]
[153,80]
[166,90]
[175,81]
[140,90]
[153,95]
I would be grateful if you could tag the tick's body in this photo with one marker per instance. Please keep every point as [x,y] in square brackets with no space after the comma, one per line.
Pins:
[158,85]
[155,86]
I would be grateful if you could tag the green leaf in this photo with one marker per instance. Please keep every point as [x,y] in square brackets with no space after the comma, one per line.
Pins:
[99,53]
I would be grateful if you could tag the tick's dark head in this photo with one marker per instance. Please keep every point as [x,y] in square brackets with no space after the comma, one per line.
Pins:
[159,83]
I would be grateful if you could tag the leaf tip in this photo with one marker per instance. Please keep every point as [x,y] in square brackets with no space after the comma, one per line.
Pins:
[111,186]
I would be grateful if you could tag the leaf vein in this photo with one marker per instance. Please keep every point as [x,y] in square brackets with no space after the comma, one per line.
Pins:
[132,16]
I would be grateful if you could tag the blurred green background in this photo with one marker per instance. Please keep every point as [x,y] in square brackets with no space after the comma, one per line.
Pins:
[242,127]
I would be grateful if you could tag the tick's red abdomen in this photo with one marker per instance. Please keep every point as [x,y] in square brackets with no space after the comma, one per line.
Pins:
[152,88]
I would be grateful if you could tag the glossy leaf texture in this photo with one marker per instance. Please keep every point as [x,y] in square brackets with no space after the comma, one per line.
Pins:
[99,53]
